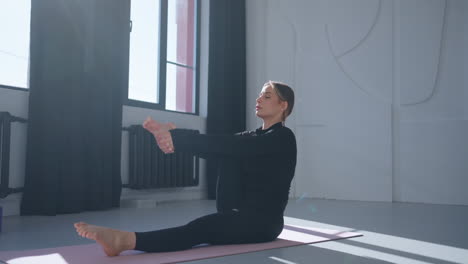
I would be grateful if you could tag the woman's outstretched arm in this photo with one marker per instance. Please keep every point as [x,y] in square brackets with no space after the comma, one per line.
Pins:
[170,139]
[275,142]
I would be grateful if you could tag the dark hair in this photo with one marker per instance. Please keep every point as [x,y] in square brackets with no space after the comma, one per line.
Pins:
[285,93]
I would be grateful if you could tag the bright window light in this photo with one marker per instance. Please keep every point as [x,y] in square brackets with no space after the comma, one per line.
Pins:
[144,46]
[180,73]
[15,19]
[55,258]
[389,243]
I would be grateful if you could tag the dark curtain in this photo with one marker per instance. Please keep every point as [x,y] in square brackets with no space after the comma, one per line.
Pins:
[227,75]
[77,75]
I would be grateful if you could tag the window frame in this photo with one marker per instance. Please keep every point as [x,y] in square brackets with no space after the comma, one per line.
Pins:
[16,88]
[163,62]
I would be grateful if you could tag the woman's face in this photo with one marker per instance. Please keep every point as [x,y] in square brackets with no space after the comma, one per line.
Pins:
[269,104]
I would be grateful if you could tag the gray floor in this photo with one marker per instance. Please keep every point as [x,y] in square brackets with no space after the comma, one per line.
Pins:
[393,232]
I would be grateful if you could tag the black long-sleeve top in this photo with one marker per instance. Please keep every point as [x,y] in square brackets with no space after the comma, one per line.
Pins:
[267,160]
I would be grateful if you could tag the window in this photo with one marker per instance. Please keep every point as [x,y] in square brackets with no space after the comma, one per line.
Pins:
[144,43]
[14,48]
[163,57]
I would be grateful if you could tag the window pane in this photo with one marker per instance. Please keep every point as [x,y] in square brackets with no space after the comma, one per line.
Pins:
[14,46]
[181,31]
[144,46]
[180,89]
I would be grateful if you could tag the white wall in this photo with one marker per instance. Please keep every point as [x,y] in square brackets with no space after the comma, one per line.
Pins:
[433,134]
[16,102]
[356,67]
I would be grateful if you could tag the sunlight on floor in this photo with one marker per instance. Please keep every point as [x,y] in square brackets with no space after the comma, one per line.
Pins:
[282,260]
[421,250]
[46,259]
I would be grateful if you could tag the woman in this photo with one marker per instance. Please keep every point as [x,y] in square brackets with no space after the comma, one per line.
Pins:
[253,186]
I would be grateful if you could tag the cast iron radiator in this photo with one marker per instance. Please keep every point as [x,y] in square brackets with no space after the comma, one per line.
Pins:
[149,167]
[5,131]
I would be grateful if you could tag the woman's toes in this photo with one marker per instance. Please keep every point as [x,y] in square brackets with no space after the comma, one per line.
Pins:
[79,224]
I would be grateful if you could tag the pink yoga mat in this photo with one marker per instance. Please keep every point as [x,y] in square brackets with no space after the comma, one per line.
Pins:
[292,235]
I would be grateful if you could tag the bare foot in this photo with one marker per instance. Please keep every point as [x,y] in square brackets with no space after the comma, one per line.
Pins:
[112,241]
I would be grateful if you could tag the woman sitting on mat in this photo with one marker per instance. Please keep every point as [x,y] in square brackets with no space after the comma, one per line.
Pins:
[255,175]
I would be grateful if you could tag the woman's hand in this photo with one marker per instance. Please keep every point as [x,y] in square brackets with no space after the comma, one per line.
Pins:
[164,138]
[151,125]
[161,133]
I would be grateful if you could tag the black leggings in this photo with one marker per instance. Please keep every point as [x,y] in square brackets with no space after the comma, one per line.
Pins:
[227,226]
[215,229]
